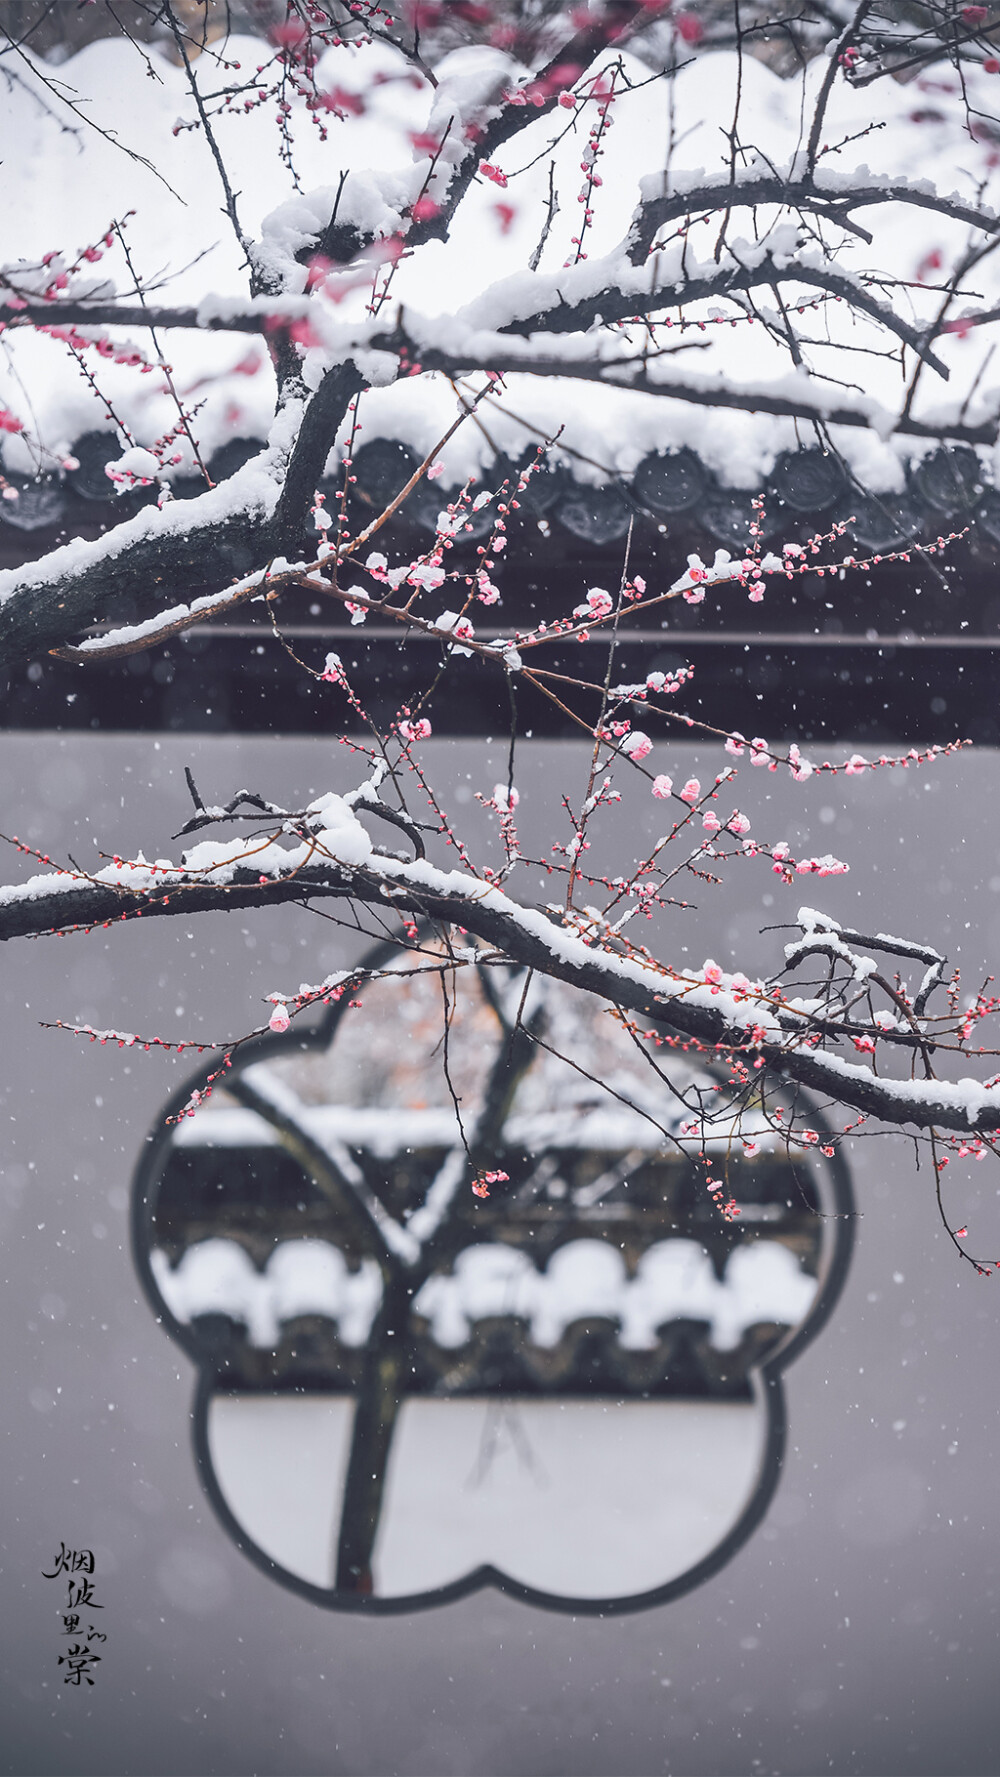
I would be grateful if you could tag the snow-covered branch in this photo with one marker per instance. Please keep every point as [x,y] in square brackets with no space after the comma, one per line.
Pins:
[338,860]
[832,196]
[794,395]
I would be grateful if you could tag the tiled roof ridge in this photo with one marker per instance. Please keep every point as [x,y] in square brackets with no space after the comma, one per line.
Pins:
[669,490]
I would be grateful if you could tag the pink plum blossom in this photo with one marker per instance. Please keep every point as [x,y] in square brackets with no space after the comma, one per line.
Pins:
[637,745]
[598,604]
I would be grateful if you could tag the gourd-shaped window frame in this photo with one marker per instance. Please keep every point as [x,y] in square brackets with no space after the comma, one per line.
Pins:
[570,1389]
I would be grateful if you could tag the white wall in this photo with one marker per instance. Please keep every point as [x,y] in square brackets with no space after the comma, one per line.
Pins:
[856,1631]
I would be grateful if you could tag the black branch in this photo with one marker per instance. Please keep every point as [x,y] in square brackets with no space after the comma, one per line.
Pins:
[770,189]
[67,312]
[153,570]
[634,373]
[68,593]
[513,934]
[612,303]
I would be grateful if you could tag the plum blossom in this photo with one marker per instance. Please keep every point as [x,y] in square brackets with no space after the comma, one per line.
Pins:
[279,1019]
[415,730]
[662,786]
[288,35]
[738,823]
[506,800]
[825,866]
[637,745]
[598,604]
[426,574]
[136,465]
[458,626]
[481,1184]
[691,790]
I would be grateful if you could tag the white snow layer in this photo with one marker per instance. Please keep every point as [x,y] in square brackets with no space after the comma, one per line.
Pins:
[56,197]
[584,1279]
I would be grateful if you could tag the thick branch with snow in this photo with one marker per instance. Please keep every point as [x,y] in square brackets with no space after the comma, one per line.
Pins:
[337,859]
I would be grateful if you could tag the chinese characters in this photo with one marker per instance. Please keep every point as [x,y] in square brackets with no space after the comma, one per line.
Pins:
[81,1657]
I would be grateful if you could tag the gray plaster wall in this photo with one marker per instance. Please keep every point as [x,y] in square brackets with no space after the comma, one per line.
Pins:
[856,1632]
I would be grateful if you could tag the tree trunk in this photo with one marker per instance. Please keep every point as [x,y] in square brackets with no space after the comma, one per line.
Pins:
[375,1413]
